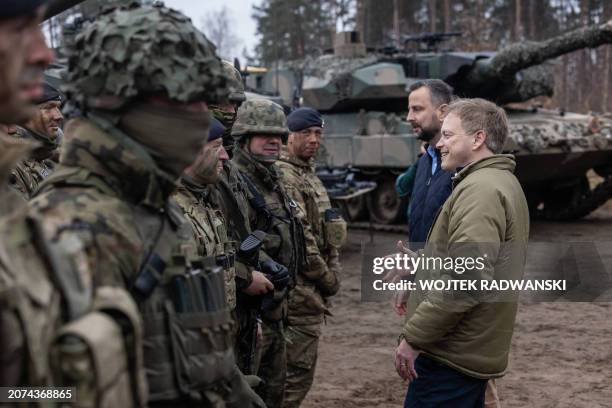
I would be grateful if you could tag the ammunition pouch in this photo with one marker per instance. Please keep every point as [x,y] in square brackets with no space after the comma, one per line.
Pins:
[335,229]
[189,333]
[100,353]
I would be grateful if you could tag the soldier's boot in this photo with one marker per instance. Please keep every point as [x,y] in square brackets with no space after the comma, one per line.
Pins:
[273,364]
[302,346]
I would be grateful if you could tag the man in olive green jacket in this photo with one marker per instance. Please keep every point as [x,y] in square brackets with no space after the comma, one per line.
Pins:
[462,338]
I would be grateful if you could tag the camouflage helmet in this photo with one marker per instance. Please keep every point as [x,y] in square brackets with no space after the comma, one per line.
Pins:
[235,83]
[135,50]
[260,117]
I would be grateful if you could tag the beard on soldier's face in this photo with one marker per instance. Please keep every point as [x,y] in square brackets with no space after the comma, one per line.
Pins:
[427,134]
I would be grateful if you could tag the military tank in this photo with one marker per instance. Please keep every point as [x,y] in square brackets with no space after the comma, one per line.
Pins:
[363,96]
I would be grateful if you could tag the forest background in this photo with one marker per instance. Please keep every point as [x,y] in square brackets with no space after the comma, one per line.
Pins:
[295,29]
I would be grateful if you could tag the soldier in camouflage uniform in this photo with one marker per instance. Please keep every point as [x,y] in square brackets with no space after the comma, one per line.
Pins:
[232,199]
[325,233]
[51,318]
[194,196]
[260,128]
[43,128]
[137,74]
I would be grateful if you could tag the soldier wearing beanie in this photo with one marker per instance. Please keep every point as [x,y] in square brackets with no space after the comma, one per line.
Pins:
[44,128]
[325,233]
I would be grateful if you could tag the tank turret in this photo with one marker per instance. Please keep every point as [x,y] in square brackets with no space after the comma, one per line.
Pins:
[564,160]
[354,80]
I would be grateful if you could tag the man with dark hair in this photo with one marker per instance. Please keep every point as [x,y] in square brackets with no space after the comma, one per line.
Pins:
[430,185]
[427,103]
[454,341]
[44,128]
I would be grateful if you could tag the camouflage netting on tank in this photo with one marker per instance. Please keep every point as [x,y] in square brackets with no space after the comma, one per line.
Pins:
[527,53]
[330,66]
[135,50]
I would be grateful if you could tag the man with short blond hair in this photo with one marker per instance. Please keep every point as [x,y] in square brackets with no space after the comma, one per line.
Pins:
[452,342]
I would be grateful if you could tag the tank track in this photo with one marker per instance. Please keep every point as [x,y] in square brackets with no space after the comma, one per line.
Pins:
[583,206]
[372,226]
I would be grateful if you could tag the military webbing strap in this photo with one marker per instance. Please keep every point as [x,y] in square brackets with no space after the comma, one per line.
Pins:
[259,204]
[76,296]
[241,222]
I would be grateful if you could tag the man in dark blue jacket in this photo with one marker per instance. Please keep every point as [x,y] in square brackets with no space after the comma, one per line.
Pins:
[427,103]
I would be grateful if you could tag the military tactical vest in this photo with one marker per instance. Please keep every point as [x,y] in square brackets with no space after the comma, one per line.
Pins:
[232,199]
[210,232]
[275,213]
[29,174]
[187,343]
[329,231]
[71,334]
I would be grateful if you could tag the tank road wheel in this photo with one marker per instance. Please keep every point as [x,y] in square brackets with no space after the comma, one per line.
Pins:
[356,208]
[384,204]
[574,201]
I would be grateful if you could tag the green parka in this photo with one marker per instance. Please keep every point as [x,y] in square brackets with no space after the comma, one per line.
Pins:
[486,213]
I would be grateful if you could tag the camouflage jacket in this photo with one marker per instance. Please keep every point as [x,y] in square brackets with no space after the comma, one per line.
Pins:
[29,173]
[210,231]
[320,277]
[11,152]
[46,294]
[284,240]
[109,188]
[231,197]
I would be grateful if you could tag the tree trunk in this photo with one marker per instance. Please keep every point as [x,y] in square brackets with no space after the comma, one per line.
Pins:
[532,26]
[447,23]
[518,26]
[607,69]
[432,16]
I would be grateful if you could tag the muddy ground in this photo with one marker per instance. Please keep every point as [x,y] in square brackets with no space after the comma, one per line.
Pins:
[561,352]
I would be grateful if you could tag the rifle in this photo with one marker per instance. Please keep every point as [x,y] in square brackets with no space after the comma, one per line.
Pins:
[248,253]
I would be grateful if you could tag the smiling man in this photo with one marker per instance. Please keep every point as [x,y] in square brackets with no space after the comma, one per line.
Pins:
[43,128]
[452,343]
[260,129]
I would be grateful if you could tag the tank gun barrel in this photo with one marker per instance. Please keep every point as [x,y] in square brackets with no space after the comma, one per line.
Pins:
[526,54]
[514,74]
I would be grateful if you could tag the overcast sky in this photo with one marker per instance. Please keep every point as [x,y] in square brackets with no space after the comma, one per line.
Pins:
[240,11]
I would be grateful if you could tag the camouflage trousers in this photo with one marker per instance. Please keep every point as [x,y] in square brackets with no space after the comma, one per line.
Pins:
[272,364]
[302,345]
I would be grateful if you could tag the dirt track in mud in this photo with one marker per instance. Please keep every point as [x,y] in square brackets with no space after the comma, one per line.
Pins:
[561,352]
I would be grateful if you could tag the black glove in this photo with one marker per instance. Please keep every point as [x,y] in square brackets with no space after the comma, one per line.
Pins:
[277,273]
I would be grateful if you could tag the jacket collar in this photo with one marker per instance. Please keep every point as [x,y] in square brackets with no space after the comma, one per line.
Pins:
[497,161]
[303,164]
[119,160]
[201,192]
[12,150]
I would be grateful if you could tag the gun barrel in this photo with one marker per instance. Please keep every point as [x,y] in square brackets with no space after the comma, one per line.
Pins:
[526,54]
